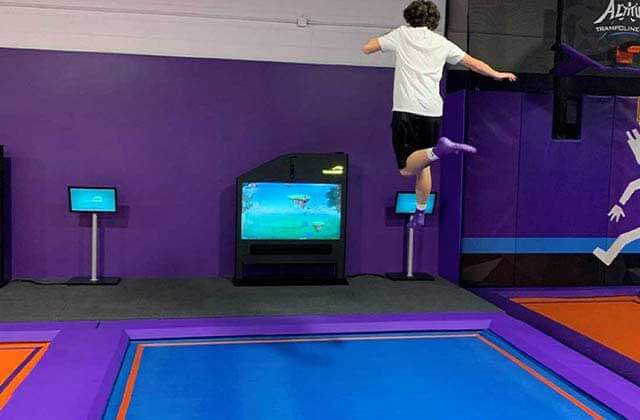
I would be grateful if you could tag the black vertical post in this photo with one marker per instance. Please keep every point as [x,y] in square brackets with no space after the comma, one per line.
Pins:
[4,278]
[567,101]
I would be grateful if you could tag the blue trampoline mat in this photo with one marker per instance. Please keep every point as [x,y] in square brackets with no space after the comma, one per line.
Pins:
[374,376]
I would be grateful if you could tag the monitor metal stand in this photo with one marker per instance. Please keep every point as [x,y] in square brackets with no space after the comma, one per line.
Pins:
[410,275]
[94,280]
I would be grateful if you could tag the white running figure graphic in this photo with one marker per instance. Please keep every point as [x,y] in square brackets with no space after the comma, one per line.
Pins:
[617,212]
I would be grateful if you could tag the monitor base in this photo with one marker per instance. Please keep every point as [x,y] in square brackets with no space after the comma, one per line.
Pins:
[415,277]
[86,281]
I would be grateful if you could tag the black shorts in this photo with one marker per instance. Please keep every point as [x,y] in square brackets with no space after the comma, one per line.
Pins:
[413,132]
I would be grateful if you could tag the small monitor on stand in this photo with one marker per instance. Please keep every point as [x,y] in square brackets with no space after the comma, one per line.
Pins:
[93,200]
[406,203]
[405,206]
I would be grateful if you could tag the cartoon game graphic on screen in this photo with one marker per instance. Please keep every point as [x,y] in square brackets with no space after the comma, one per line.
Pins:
[290,211]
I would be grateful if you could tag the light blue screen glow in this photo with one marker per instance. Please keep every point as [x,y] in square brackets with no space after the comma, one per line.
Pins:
[93,200]
[291,211]
[406,203]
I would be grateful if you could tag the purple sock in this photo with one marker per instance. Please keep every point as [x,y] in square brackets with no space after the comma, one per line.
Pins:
[417,220]
[446,147]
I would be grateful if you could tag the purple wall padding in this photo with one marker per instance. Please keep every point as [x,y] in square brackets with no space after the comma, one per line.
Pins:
[173,134]
[624,167]
[558,188]
[491,176]
[453,126]
[563,186]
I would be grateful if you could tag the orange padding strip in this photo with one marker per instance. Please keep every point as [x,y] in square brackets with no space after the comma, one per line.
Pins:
[611,321]
[12,355]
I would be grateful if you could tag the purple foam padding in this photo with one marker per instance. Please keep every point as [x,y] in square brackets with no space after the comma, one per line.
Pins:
[335,327]
[215,327]
[491,176]
[449,241]
[624,167]
[563,186]
[573,62]
[27,336]
[607,387]
[613,360]
[37,331]
[46,325]
[568,292]
[21,326]
[74,378]
[109,376]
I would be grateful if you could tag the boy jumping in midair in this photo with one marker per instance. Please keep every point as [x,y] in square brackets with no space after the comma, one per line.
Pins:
[417,105]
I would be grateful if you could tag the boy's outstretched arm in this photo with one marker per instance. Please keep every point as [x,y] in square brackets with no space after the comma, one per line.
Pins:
[484,69]
[372,46]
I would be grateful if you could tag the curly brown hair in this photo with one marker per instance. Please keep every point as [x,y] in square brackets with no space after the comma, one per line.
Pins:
[422,13]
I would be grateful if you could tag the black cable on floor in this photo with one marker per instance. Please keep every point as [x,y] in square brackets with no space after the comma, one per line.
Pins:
[39,283]
[381,276]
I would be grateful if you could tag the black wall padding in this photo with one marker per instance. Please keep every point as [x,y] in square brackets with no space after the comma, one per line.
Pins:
[513,35]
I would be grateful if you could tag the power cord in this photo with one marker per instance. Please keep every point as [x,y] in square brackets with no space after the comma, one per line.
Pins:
[380,276]
[39,283]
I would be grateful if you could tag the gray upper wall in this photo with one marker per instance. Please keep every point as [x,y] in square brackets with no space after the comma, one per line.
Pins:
[510,35]
[290,31]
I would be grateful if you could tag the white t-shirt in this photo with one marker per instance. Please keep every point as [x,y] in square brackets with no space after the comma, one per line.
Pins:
[420,58]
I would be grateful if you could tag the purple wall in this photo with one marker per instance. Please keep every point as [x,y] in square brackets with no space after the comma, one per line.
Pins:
[173,134]
[523,183]
[451,186]
[563,186]
[491,176]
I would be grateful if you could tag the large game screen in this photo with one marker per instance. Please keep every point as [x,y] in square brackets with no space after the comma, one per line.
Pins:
[291,211]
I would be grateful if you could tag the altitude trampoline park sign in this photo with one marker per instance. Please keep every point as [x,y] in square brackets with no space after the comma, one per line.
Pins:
[621,17]
[598,27]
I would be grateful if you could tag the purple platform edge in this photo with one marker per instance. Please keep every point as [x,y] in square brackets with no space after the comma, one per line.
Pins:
[74,379]
[551,292]
[38,331]
[611,359]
